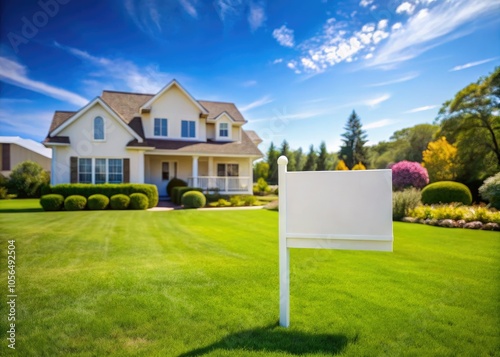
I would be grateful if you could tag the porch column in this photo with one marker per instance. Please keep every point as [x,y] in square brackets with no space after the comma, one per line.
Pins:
[140,168]
[250,176]
[53,166]
[210,166]
[195,171]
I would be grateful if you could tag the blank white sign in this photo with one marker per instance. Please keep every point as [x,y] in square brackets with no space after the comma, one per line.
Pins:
[339,210]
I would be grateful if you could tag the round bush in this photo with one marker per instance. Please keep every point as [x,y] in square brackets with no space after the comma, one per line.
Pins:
[407,174]
[52,202]
[446,192]
[193,199]
[138,201]
[490,190]
[75,203]
[174,183]
[98,202]
[119,201]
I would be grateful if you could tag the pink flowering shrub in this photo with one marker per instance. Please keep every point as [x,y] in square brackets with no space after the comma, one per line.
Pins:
[408,174]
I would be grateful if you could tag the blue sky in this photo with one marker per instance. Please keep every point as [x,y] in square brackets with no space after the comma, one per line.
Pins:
[296,69]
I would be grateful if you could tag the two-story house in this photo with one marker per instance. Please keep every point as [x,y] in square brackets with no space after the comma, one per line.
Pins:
[152,138]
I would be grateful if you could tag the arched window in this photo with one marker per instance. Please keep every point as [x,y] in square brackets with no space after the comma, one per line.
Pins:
[98,128]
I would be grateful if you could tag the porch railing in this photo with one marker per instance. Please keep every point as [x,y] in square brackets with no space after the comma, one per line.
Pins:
[222,183]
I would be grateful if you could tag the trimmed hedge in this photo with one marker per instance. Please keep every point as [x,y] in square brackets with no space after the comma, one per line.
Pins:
[446,192]
[193,199]
[75,203]
[175,182]
[119,201]
[98,202]
[138,201]
[108,190]
[52,202]
[179,191]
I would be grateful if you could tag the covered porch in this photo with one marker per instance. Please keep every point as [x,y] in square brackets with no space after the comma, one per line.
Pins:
[225,174]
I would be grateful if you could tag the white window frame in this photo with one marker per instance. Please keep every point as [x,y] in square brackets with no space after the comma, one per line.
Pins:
[103,128]
[93,168]
[226,164]
[171,164]
[161,126]
[189,137]
[226,130]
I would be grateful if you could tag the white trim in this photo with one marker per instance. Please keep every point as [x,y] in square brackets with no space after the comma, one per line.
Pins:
[177,153]
[82,111]
[93,171]
[284,251]
[166,88]
[56,144]
[160,136]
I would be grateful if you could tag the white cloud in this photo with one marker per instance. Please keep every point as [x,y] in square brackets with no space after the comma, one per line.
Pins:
[397,26]
[278,60]
[377,100]
[189,8]
[405,7]
[382,24]
[256,16]
[421,109]
[379,124]
[123,73]
[405,78]
[366,3]
[249,83]
[17,75]
[257,103]
[472,64]
[431,27]
[284,36]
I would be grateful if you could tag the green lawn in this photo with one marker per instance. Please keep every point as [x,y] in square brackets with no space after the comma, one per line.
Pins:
[193,283]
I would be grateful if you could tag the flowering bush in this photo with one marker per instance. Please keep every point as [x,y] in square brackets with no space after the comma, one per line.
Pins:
[490,190]
[408,174]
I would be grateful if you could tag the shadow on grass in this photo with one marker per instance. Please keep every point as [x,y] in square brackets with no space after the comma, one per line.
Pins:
[276,339]
[20,210]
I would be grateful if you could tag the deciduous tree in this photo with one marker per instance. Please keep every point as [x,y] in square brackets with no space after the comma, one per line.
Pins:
[440,160]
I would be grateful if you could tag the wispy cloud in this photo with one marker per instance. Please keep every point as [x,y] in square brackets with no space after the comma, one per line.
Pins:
[472,64]
[377,100]
[231,11]
[257,103]
[122,73]
[16,74]
[405,78]
[421,109]
[31,124]
[278,60]
[301,115]
[379,124]
[189,8]
[430,27]
[256,15]
[249,83]
[284,36]
[366,3]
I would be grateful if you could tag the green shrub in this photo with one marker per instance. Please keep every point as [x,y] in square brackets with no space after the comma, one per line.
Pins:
[98,202]
[27,179]
[261,187]
[179,191]
[119,201]
[175,182]
[4,193]
[490,190]
[223,203]
[249,200]
[403,202]
[75,203]
[52,202]
[193,199]
[446,192]
[107,190]
[236,201]
[138,201]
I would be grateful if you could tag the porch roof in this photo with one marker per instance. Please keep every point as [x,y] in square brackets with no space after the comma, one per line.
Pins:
[245,147]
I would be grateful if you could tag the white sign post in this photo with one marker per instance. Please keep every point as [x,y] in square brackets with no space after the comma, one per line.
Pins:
[331,210]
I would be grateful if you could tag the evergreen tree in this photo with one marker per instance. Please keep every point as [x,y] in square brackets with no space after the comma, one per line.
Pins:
[323,159]
[300,159]
[310,164]
[285,150]
[272,160]
[354,139]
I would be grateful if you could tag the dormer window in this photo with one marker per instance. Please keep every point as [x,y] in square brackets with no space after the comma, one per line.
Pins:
[224,130]
[98,128]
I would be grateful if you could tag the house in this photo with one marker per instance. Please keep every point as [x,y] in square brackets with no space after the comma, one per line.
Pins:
[152,138]
[14,150]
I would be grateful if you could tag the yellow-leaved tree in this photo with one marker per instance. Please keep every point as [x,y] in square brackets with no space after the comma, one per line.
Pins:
[359,166]
[440,160]
[341,166]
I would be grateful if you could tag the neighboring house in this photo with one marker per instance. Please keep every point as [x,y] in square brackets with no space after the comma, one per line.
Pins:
[14,150]
[145,138]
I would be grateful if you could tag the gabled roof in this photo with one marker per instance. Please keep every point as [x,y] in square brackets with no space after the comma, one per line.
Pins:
[111,112]
[27,144]
[217,108]
[126,104]
[254,137]
[166,88]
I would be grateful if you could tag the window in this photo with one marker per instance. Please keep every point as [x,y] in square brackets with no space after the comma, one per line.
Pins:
[168,170]
[85,170]
[228,170]
[161,128]
[98,128]
[100,170]
[224,130]
[115,170]
[188,129]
